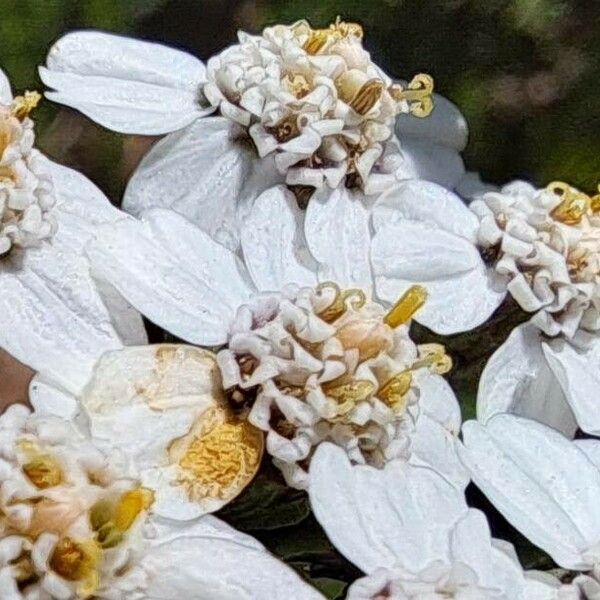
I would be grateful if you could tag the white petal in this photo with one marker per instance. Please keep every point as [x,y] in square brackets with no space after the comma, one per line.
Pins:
[517,380]
[425,160]
[578,373]
[208,172]
[51,316]
[273,242]
[462,292]
[445,125]
[200,567]
[437,400]
[6,96]
[378,518]
[126,85]
[435,447]
[127,321]
[591,448]
[142,399]
[173,273]
[540,481]
[471,544]
[338,236]
[426,202]
[48,399]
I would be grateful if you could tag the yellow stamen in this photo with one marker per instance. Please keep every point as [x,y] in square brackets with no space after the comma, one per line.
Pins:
[225,457]
[394,391]
[23,105]
[320,39]
[358,90]
[77,561]
[574,204]
[354,297]
[434,357]
[43,471]
[410,302]
[130,505]
[348,394]
[418,94]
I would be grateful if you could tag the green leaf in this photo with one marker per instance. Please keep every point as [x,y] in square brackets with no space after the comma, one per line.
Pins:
[331,588]
[267,504]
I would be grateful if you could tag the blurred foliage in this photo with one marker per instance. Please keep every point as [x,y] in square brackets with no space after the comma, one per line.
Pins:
[524,72]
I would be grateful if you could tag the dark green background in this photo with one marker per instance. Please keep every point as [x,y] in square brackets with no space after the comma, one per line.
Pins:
[526,73]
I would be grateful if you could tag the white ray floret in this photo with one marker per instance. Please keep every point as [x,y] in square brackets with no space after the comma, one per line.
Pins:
[295,105]
[414,537]
[53,316]
[544,484]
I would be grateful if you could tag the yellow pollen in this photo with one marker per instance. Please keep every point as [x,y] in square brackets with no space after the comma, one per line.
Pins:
[77,561]
[434,357]
[418,94]
[43,471]
[354,297]
[225,455]
[348,394]
[130,505]
[394,391]
[574,204]
[22,105]
[404,309]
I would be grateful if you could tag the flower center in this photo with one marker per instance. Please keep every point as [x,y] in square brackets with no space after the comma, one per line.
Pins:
[319,85]
[327,363]
[220,458]
[43,471]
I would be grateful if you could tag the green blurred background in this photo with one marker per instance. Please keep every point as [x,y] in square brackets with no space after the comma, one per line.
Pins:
[524,72]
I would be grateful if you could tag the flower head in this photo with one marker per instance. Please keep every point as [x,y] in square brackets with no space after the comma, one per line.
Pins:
[305,360]
[25,191]
[68,512]
[187,446]
[547,242]
[326,364]
[316,100]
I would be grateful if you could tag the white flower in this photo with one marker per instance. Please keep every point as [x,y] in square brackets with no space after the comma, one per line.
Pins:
[311,102]
[425,235]
[287,350]
[73,525]
[545,485]
[413,535]
[314,99]
[547,242]
[163,407]
[53,316]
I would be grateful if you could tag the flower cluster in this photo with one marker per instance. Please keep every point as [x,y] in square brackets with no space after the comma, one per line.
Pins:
[69,515]
[326,364]
[25,191]
[548,243]
[316,100]
[297,307]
